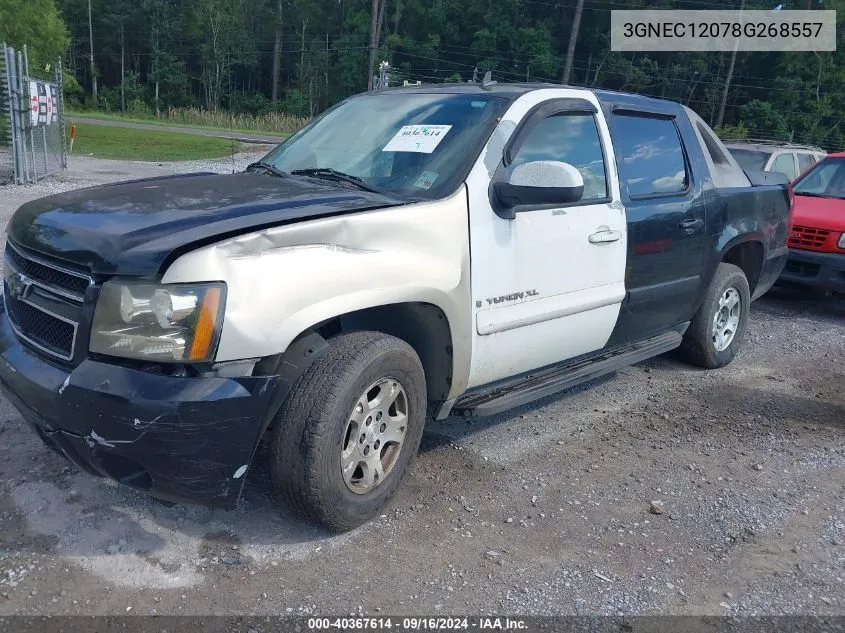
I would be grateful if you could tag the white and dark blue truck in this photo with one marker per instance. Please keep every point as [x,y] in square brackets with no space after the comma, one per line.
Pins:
[411,253]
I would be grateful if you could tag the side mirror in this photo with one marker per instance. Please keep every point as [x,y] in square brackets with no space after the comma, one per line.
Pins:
[540,182]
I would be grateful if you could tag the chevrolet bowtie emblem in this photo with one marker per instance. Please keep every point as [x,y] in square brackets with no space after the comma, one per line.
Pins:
[19,285]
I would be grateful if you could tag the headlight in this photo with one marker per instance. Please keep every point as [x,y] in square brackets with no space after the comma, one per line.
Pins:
[841,243]
[165,323]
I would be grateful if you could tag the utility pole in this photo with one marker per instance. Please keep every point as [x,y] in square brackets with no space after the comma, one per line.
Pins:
[277,51]
[729,76]
[91,45]
[376,20]
[573,39]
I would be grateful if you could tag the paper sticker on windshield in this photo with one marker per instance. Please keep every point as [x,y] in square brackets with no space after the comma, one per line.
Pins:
[426,179]
[417,138]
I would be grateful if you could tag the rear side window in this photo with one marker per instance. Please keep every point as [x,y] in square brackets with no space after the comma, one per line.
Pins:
[570,138]
[805,161]
[650,155]
[785,164]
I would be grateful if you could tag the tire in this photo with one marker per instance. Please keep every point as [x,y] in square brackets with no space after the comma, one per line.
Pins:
[317,427]
[701,345]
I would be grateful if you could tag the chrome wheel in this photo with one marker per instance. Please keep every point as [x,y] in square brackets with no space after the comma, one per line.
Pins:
[726,319]
[374,435]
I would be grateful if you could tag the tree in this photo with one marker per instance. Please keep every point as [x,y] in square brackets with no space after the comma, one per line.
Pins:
[304,55]
[37,25]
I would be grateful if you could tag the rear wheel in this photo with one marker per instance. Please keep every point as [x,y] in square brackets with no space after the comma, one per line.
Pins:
[347,434]
[716,331]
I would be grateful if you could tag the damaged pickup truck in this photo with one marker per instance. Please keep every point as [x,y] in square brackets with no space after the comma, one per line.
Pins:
[411,253]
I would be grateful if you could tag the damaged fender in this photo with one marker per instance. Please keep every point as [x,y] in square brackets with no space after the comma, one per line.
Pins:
[283,280]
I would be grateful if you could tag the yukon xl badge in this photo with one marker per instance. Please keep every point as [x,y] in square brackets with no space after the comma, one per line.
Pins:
[514,296]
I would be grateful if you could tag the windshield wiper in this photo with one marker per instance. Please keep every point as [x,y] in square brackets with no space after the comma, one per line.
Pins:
[268,167]
[328,173]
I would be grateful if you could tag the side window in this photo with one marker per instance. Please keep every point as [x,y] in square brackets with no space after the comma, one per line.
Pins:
[785,164]
[570,138]
[650,155]
[805,161]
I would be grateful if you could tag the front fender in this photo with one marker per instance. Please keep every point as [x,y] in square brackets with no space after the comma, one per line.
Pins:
[283,280]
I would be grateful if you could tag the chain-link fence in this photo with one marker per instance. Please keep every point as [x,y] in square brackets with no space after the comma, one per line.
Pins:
[34,143]
[7,158]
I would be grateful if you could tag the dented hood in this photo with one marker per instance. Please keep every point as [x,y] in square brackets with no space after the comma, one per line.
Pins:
[137,227]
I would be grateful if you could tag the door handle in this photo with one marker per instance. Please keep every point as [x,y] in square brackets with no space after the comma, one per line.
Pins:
[690,224]
[605,236]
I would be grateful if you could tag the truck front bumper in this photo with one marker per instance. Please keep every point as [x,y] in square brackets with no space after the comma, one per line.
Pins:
[180,439]
[822,270]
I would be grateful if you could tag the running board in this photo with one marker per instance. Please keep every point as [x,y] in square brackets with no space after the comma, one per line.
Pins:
[557,378]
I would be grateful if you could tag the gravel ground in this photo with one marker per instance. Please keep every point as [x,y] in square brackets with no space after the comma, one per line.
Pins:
[549,509]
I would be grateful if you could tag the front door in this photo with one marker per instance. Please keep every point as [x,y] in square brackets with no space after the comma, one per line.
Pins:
[547,284]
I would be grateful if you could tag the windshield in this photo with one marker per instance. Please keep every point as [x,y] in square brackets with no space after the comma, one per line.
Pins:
[406,144]
[826,180]
[750,159]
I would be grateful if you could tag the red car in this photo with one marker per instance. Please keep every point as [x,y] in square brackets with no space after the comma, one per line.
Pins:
[817,233]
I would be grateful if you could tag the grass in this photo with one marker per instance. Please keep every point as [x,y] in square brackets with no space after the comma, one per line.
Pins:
[131,144]
[277,124]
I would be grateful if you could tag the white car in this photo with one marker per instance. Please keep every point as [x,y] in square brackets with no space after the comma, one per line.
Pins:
[786,158]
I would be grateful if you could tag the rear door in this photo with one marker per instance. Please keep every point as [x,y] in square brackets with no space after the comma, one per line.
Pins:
[665,209]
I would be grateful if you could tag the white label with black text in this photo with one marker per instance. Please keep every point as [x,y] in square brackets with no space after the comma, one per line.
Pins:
[417,138]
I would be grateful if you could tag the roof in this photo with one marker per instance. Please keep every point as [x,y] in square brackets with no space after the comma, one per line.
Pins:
[763,145]
[509,90]
[512,91]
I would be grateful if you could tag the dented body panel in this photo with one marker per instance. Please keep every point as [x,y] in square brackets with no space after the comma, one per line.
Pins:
[137,227]
[283,280]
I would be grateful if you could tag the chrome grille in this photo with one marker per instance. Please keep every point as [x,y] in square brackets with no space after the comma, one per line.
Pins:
[44,302]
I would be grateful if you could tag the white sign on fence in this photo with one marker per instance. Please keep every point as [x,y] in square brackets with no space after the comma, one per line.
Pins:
[42,103]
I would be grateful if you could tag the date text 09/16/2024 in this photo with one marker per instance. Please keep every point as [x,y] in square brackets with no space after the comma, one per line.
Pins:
[418,624]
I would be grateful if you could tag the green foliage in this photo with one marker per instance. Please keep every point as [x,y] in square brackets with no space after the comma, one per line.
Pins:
[38,25]
[207,55]
[736,132]
[73,92]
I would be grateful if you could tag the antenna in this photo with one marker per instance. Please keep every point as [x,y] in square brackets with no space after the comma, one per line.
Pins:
[488,82]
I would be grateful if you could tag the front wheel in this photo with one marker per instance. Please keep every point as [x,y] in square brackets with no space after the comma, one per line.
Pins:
[717,329]
[347,434]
